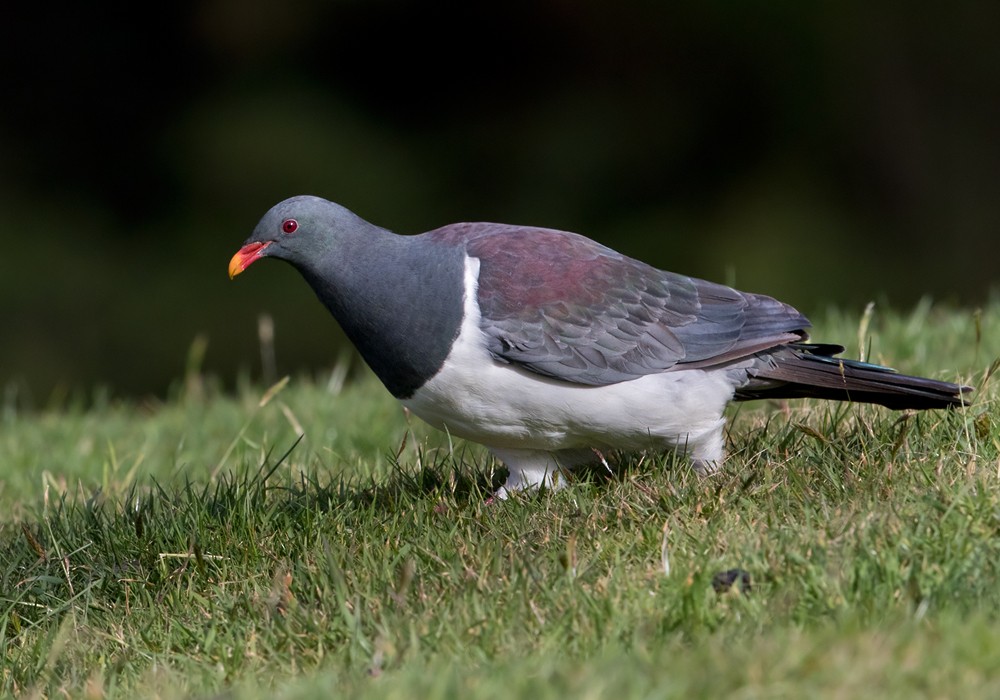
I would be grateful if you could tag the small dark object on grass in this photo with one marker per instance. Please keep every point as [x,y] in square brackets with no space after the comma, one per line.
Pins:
[724,581]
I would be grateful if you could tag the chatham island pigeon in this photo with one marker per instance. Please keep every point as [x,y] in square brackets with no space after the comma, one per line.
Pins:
[547,347]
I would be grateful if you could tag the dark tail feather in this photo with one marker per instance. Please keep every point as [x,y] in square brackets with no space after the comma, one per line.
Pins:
[801,370]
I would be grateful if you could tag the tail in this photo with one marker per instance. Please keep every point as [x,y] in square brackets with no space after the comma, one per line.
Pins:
[801,370]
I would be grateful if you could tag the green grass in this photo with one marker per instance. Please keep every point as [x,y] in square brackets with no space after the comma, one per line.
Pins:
[193,548]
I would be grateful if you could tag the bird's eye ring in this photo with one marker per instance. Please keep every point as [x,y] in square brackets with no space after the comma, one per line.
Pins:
[289,225]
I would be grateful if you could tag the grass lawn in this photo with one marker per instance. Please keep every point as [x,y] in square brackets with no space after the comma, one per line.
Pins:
[198,548]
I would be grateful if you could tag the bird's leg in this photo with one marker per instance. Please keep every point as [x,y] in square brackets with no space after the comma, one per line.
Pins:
[707,450]
[529,469]
[703,468]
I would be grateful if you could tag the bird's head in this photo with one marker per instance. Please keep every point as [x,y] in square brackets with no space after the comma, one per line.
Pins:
[297,230]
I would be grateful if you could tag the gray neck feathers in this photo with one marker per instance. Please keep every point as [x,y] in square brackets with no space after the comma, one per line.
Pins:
[398,299]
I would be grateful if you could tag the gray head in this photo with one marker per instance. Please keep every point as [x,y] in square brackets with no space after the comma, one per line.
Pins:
[299,230]
[398,298]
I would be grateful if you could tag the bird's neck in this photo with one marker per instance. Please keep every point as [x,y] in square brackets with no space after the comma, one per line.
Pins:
[397,298]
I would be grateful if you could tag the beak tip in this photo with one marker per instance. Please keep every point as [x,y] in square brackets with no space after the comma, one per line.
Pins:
[236,265]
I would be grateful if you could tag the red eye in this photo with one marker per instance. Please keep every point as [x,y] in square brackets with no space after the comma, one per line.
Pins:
[289,225]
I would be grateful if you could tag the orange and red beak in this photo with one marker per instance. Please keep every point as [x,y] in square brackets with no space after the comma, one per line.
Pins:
[246,256]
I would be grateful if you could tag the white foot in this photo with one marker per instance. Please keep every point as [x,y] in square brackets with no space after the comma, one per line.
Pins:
[707,450]
[530,469]
[703,468]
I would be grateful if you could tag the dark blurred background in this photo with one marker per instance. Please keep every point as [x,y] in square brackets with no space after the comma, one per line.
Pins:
[825,153]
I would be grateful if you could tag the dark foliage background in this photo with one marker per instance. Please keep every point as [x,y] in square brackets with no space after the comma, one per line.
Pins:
[826,153]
